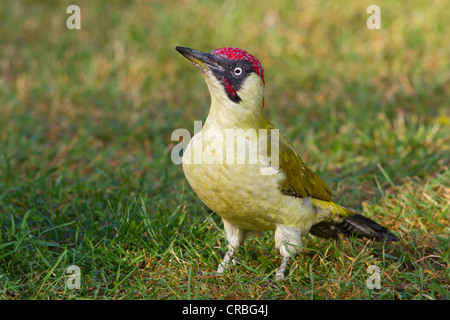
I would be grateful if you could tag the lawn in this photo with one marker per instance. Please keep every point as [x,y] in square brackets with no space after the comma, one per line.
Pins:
[86,118]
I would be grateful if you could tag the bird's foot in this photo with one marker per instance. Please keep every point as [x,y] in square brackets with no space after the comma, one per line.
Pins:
[208,274]
[224,265]
[279,276]
[280,271]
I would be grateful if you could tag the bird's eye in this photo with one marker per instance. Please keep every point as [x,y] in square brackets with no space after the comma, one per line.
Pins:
[237,71]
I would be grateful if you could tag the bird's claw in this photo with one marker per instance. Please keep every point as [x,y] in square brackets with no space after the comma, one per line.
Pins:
[208,274]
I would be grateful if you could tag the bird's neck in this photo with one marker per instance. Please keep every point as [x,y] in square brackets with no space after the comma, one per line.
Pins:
[224,115]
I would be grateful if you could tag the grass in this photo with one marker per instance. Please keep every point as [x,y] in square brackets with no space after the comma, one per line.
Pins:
[86,118]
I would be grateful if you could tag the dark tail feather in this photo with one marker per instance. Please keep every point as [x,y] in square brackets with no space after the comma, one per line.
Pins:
[356,225]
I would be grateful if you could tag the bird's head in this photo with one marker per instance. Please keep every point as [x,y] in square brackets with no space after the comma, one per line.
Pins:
[235,78]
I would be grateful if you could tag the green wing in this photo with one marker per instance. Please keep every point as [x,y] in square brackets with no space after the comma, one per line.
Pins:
[300,180]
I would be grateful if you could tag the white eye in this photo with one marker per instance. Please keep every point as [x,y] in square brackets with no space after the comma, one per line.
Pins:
[238,71]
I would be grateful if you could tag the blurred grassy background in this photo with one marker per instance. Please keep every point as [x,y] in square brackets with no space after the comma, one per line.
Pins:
[86,118]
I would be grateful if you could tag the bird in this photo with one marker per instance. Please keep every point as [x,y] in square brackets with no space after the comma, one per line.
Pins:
[256,181]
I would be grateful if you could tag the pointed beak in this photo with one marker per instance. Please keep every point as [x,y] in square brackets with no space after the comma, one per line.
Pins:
[199,59]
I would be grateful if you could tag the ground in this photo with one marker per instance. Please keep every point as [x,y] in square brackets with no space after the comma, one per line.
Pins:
[86,176]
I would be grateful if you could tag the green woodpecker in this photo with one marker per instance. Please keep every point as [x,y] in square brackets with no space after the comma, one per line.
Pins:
[275,190]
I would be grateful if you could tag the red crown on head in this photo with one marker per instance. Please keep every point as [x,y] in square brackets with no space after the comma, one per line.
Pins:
[239,54]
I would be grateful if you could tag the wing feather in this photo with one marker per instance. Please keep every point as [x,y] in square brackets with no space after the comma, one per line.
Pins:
[300,180]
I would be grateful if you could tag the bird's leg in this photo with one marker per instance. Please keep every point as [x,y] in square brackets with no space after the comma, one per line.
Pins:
[288,240]
[235,237]
[281,269]
[223,265]
[226,260]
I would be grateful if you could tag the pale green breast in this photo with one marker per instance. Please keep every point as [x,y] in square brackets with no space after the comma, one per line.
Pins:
[237,191]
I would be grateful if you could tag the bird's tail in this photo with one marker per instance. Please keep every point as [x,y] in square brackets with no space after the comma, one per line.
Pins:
[352,224]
